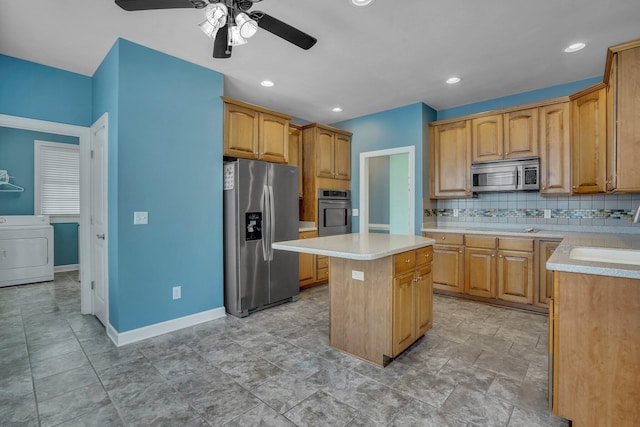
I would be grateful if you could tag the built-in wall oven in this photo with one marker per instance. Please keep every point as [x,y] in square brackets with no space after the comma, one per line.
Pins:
[334,212]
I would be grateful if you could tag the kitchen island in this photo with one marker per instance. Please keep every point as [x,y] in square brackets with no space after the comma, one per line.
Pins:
[380,291]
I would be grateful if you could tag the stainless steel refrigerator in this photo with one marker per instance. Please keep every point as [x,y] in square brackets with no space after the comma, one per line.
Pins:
[260,207]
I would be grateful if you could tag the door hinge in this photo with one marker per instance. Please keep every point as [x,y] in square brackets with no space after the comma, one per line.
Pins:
[91,219]
[92,154]
[93,285]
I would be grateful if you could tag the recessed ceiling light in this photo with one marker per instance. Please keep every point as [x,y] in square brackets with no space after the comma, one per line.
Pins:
[453,80]
[361,3]
[575,47]
[337,109]
[267,83]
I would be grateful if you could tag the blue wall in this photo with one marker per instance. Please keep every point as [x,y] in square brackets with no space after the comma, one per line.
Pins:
[399,127]
[39,92]
[519,98]
[168,149]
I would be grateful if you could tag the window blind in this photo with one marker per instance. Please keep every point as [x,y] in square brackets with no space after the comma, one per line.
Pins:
[57,179]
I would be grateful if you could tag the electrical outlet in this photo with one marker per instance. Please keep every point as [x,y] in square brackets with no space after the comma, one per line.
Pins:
[177,292]
[141,218]
[357,275]
[547,213]
[456,212]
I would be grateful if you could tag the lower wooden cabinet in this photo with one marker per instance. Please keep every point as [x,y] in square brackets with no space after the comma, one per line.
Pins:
[412,297]
[480,272]
[545,277]
[307,263]
[448,255]
[515,276]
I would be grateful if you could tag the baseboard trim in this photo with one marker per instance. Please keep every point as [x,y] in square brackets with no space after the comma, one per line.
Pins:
[67,267]
[135,335]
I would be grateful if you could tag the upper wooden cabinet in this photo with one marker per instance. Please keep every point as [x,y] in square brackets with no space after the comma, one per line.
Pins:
[450,160]
[252,132]
[623,103]
[332,149]
[487,138]
[505,136]
[589,145]
[555,149]
[295,153]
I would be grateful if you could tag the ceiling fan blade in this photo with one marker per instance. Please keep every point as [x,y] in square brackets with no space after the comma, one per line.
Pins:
[221,48]
[132,5]
[285,31]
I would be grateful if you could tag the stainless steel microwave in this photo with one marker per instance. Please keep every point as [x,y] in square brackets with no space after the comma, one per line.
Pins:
[506,175]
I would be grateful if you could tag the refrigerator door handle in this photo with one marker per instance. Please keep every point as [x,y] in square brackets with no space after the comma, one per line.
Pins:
[272,222]
[265,225]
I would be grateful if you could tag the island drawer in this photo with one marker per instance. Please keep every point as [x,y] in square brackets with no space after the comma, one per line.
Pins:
[446,238]
[475,241]
[515,244]
[405,261]
[322,261]
[424,255]
[322,274]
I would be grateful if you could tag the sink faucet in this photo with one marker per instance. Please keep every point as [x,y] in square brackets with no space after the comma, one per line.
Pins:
[636,217]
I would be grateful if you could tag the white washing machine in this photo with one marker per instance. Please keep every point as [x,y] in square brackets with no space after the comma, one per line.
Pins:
[26,249]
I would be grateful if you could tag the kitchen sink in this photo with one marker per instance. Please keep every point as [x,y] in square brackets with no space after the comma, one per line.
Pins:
[616,256]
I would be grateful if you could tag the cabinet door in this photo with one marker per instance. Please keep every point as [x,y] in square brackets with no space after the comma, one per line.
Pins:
[342,156]
[589,143]
[545,281]
[555,150]
[403,312]
[451,160]
[241,127]
[479,268]
[487,138]
[307,263]
[515,276]
[295,154]
[324,153]
[274,138]
[424,300]
[448,267]
[521,134]
[627,118]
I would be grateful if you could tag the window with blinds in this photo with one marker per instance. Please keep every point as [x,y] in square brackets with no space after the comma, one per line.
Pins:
[57,179]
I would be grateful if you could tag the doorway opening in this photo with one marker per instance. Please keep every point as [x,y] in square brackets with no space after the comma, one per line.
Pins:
[387,191]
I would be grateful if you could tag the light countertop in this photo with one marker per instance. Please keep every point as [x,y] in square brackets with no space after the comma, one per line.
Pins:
[499,231]
[561,261]
[358,246]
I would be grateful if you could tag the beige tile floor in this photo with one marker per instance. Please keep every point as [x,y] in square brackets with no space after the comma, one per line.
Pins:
[479,366]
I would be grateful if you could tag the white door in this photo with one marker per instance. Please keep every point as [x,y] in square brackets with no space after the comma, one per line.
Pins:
[99,237]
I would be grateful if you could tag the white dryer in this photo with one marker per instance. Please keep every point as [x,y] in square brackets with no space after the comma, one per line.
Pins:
[26,249]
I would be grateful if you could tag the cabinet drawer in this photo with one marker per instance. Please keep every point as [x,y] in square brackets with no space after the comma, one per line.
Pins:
[424,255]
[515,244]
[403,262]
[475,241]
[322,262]
[322,274]
[446,238]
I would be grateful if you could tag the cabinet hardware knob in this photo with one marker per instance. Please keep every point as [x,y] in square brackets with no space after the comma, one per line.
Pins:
[544,188]
[443,237]
[573,186]
[499,154]
[460,251]
[500,256]
[493,255]
[407,261]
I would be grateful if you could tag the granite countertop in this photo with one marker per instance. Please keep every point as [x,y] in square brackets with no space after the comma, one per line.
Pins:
[499,231]
[358,246]
[561,260]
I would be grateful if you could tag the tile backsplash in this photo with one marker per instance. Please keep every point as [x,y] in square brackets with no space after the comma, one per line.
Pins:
[611,213]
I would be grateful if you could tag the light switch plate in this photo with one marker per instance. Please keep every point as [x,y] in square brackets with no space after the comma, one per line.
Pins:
[355,212]
[357,275]
[177,292]
[141,217]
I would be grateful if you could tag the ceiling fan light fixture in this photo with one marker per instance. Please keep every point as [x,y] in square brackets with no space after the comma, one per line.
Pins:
[575,47]
[453,80]
[216,13]
[235,38]
[361,3]
[248,27]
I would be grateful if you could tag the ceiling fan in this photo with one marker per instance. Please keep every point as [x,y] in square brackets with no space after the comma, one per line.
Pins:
[228,22]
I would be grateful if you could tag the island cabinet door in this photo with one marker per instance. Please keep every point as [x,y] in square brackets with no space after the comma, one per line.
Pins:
[424,300]
[403,312]
[515,276]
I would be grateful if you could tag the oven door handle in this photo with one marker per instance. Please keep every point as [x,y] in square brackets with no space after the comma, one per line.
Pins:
[333,202]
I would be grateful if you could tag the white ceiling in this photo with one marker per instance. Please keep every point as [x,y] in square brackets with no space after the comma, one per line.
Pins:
[367,60]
